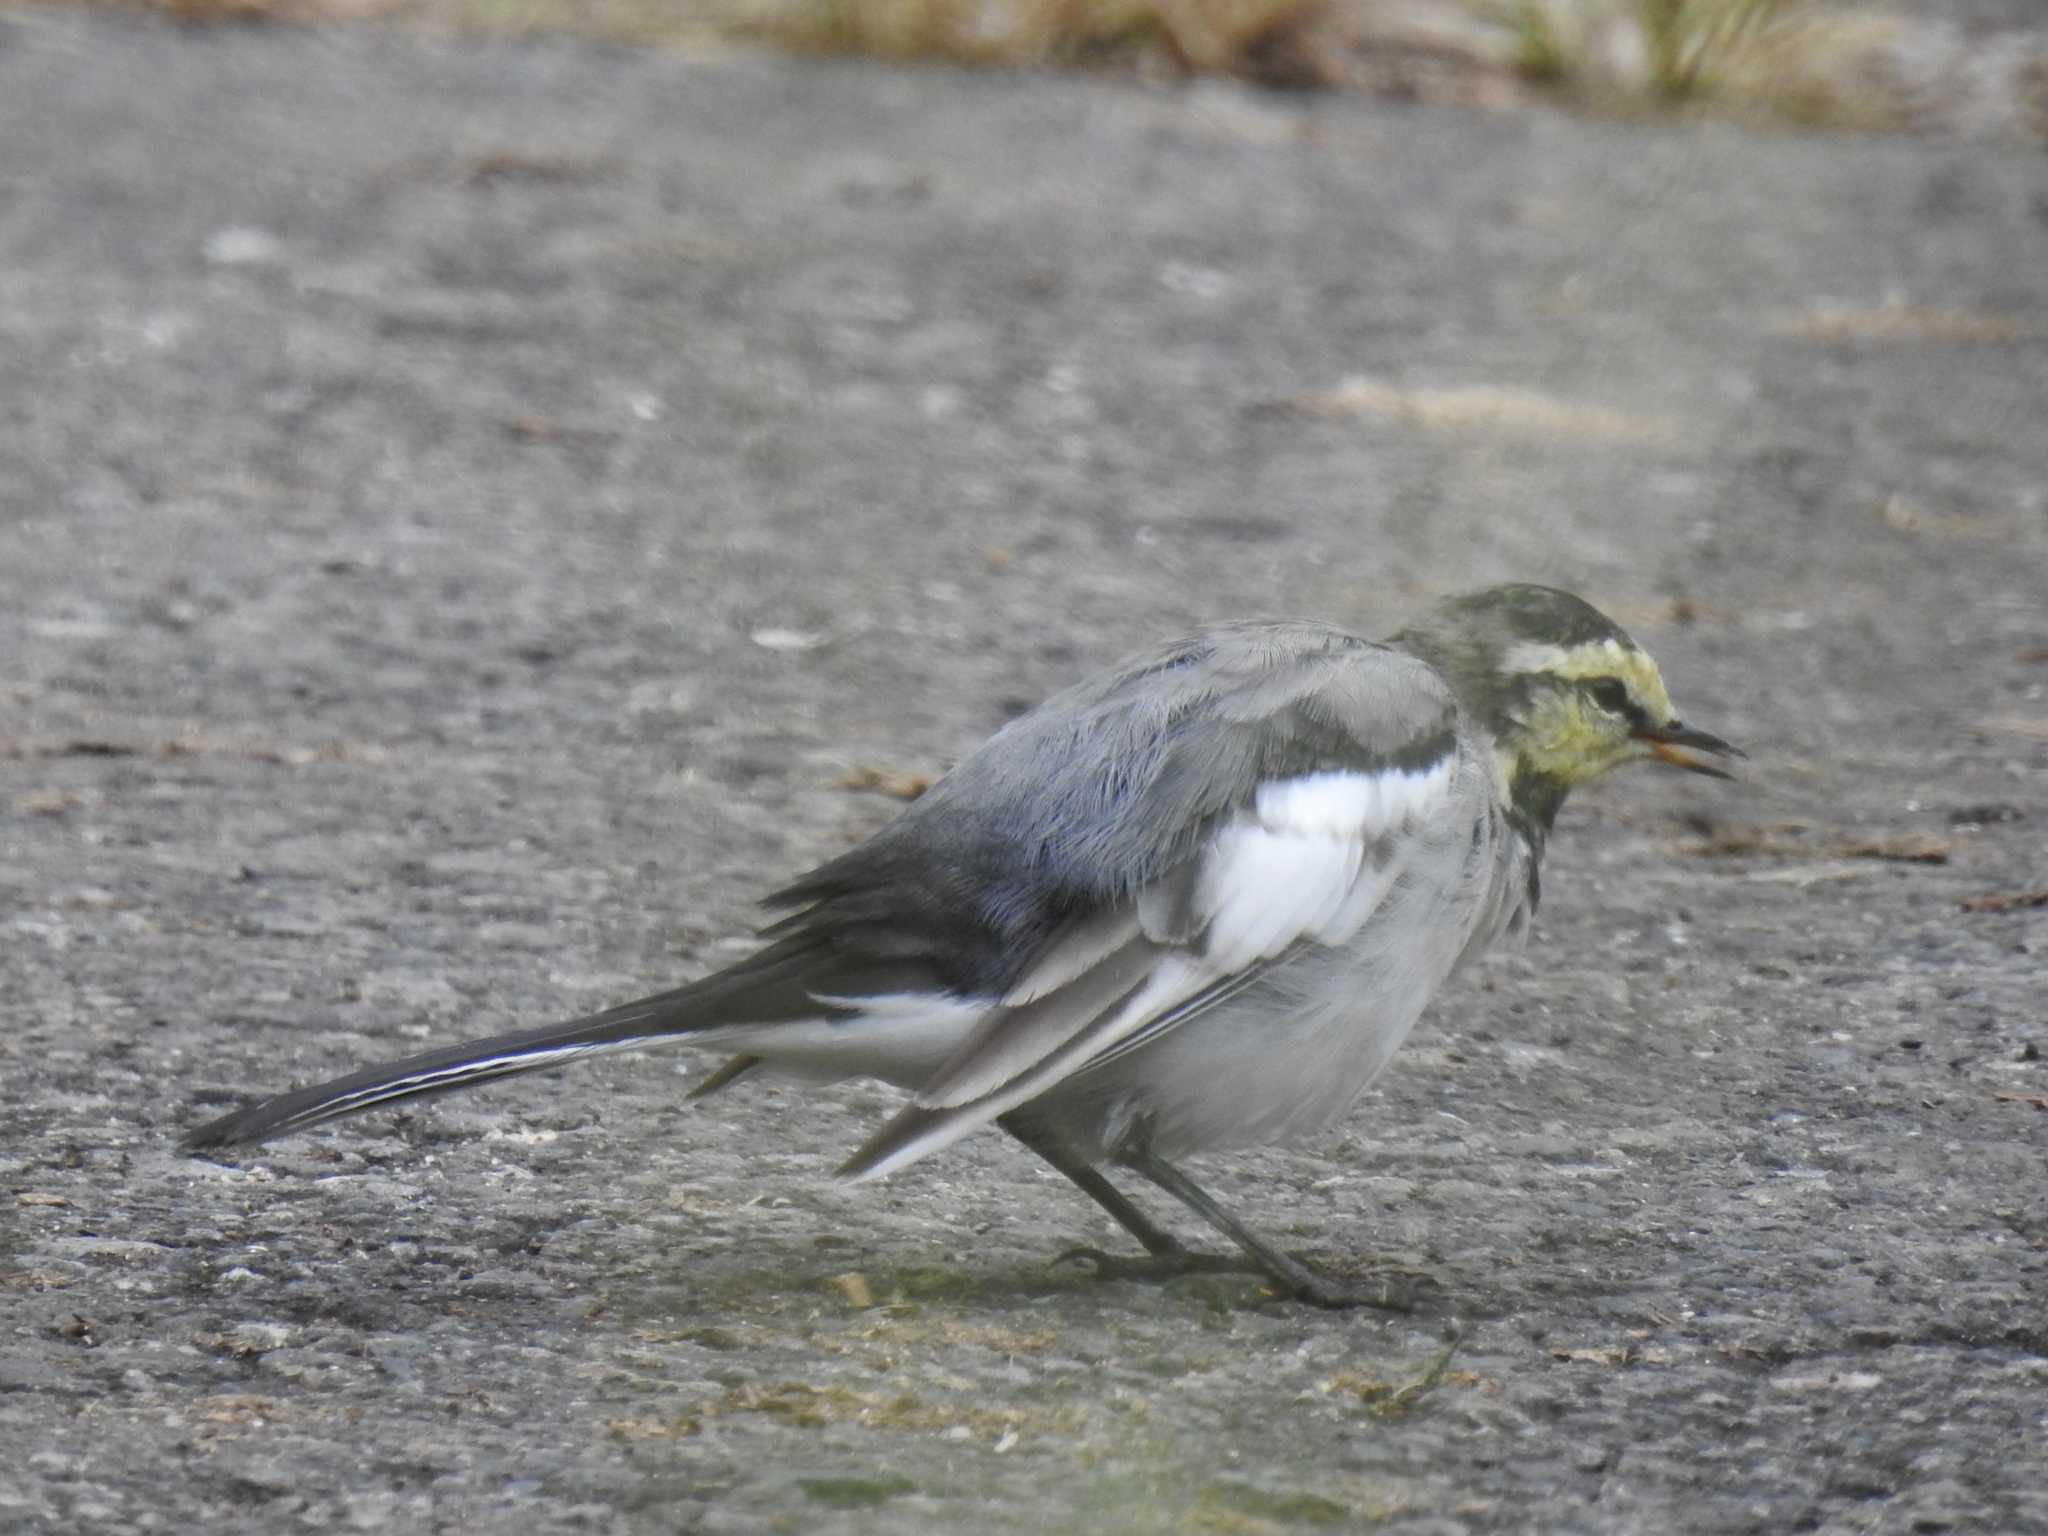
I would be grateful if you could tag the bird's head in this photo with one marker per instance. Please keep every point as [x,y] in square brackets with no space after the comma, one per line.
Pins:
[1565,693]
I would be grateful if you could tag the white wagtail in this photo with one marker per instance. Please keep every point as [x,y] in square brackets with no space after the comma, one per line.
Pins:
[1193,902]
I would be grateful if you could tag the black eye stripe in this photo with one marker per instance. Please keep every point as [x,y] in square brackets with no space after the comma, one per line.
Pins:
[1612,695]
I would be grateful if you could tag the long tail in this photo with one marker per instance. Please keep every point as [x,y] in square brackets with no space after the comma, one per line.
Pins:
[780,984]
[443,1071]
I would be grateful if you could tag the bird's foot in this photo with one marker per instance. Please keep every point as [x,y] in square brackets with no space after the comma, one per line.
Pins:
[1169,1264]
[1386,1291]
[1390,1290]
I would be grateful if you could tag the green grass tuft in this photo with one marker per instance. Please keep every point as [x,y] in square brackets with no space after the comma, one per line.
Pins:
[1788,60]
[854,1492]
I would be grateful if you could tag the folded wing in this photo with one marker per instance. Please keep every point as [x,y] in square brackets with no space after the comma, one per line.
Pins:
[1306,860]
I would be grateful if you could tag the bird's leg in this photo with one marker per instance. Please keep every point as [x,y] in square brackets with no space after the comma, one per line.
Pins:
[1302,1281]
[1167,1257]
[1157,1240]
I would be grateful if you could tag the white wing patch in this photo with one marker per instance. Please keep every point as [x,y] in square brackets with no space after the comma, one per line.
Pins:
[1261,891]
[1311,861]
[1363,805]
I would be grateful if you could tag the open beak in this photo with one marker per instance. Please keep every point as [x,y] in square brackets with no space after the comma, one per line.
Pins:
[1679,745]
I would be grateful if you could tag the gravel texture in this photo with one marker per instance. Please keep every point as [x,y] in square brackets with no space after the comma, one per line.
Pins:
[465,511]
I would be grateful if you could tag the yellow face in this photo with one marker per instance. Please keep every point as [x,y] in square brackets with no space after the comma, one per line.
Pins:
[1593,707]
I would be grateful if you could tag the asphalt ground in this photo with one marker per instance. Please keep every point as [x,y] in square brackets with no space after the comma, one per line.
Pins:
[470,518]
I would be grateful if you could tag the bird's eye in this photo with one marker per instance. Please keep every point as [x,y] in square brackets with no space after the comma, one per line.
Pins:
[1611,694]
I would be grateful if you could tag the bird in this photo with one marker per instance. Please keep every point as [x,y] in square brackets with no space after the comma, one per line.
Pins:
[1191,903]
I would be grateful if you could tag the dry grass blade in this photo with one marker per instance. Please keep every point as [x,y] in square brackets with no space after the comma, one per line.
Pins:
[896,783]
[1902,322]
[1210,36]
[2032,727]
[1487,408]
[2006,901]
[1788,840]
